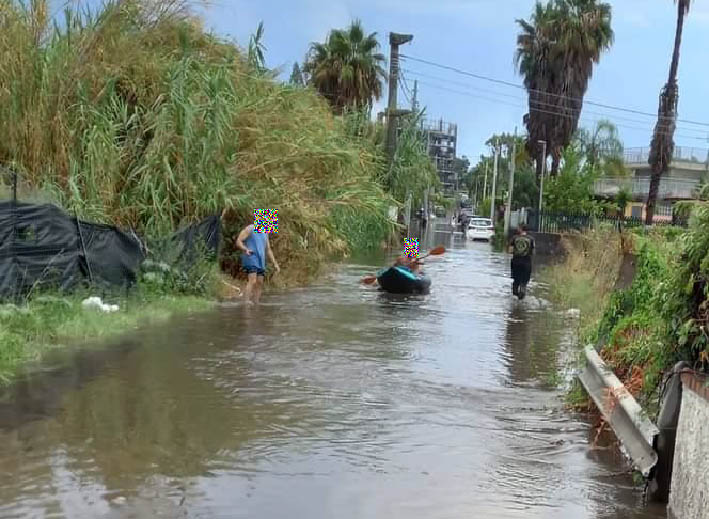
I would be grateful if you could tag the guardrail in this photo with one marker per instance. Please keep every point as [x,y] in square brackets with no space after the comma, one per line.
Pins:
[622,412]
[670,188]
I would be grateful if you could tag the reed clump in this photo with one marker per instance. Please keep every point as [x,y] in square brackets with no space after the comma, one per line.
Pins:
[133,114]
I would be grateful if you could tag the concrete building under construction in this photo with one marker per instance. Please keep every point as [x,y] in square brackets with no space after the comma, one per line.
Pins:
[441,139]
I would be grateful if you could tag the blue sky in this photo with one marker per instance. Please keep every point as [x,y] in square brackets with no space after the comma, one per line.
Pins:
[479,36]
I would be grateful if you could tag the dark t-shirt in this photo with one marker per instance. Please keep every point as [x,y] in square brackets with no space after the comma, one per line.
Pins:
[522,246]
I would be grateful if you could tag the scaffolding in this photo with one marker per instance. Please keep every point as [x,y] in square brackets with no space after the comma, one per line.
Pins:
[441,140]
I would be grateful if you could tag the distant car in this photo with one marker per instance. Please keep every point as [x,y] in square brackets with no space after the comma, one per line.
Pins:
[480,229]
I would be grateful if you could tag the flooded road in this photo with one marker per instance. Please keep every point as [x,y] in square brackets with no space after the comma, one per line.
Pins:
[331,401]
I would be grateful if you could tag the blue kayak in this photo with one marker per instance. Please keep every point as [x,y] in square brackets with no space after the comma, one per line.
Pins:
[400,280]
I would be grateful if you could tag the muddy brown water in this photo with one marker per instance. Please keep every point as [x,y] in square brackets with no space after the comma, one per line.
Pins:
[331,401]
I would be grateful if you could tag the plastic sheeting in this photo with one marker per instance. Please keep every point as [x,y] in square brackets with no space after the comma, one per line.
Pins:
[40,245]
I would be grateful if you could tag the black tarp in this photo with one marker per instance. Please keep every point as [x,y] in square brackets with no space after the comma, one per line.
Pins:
[184,247]
[40,245]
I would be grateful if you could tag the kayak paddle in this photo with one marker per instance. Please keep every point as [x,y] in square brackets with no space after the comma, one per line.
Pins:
[437,251]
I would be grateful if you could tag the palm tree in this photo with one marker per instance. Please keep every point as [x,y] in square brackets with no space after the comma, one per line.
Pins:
[556,52]
[602,147]
[662,145]
[296,77]
[534,45]
[347,69]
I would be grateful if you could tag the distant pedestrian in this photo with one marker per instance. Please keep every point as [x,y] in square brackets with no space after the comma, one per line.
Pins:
[521,247]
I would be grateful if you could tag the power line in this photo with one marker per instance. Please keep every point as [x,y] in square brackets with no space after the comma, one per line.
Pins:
[550,106]
[552,112]
[403,91]
[405,83]
[404,87]
[521,87]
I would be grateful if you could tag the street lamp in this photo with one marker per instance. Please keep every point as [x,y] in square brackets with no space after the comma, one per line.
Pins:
[544,167]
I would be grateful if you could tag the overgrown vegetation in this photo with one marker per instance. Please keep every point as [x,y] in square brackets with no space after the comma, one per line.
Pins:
[585,279]
[661,318]
[134,115]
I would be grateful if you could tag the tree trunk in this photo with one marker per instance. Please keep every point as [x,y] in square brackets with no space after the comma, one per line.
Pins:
[539,164]
[555,160]
[662,145]
[652,195]
[682,7]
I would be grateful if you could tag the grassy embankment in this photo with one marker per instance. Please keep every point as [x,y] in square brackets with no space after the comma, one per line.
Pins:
[47,322]
[660,318]
[134,115]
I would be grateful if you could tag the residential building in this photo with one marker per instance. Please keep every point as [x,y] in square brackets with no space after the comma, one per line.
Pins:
[688,168]
[441,140]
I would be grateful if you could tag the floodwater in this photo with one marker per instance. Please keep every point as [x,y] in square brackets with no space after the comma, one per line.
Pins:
[331,401]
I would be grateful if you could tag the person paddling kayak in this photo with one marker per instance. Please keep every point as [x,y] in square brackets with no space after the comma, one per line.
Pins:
[412,264]
[521,247]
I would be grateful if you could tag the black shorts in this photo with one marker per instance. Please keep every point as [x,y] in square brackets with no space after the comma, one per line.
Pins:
[258,271]
[521,269]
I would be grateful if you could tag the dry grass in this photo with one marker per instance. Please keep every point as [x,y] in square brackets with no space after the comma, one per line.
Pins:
[136,116]
[586,277]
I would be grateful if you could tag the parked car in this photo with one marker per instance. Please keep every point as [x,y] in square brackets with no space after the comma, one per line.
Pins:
[480,229]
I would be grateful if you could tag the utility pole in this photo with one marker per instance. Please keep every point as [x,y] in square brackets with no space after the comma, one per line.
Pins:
[494,182]
[508,211]
[414,98]
[475,196]
[395,40]
[484,185]
[541,183]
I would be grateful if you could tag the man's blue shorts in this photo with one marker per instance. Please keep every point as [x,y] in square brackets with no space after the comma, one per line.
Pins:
[258,271]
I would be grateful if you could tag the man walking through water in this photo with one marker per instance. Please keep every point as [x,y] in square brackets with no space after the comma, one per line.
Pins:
[521,247]
[253,241]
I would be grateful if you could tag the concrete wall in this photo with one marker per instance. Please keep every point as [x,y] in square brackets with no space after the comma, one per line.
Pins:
[689,495]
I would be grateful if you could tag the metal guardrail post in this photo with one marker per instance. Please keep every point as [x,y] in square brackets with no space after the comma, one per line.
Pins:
[628,420]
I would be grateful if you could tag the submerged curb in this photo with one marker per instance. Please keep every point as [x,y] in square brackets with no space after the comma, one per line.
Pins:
[628,420]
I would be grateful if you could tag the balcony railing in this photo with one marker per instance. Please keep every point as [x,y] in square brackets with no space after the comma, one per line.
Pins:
[670,188]
[681,154]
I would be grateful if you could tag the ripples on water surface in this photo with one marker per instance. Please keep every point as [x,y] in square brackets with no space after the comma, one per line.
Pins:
[332,401]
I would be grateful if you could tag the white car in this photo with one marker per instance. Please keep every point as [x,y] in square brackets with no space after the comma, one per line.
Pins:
[481,229]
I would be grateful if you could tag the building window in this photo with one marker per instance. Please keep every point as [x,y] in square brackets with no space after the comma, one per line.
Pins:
[636,211]
[664,209]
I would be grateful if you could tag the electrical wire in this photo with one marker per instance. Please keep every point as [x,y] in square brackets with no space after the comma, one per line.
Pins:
[521,87]
[405,84]
[552,112]
[550,106]
[405,94]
